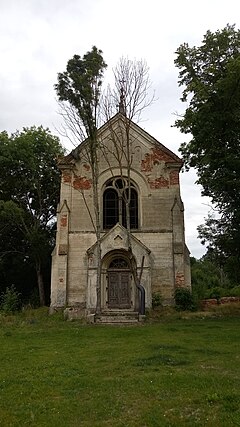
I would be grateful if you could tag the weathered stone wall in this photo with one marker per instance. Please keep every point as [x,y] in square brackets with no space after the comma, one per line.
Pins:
[78,266]
[162,277]
[160,237]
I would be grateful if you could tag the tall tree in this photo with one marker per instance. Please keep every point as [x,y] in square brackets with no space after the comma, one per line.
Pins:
[210,75]
[78,90]
[29,191]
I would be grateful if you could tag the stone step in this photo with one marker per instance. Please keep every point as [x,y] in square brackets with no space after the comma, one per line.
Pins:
[120,317]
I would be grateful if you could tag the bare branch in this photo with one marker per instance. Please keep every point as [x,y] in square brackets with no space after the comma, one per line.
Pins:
[73,128]
[132,77]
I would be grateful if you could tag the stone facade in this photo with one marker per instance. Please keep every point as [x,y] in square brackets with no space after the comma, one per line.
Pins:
[157,232]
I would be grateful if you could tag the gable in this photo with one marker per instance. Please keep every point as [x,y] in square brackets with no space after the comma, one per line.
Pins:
[151,150]
[117,239]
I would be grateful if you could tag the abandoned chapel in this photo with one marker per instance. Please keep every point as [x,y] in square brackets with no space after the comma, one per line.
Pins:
[141,225]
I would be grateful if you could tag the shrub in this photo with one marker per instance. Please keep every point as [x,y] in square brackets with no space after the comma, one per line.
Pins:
[34,301]
[156,300]
[184,299]
[235,292]
[219,292]
[216,293]
[10,300]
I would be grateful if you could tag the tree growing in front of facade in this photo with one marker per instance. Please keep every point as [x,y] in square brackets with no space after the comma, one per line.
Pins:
[78,90]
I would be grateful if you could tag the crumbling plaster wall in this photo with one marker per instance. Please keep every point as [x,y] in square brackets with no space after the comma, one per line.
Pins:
[161,225]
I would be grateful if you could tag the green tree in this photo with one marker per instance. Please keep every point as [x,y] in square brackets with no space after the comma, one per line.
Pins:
[210,75]
[15,266]
[29,191]
[206,275]
[78,90]
[223,245]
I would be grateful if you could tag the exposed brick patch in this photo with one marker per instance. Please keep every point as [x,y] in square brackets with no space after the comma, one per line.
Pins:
[63,249]
[81,183]
[160,182]
[174,177]
[67,176]
[86,166]
[180,280]
[146,165]
[63,221]
[153,157]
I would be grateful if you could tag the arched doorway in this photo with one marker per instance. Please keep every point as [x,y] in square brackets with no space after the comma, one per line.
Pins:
[119,284]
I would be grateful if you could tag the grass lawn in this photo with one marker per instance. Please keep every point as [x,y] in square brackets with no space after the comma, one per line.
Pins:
[176,372]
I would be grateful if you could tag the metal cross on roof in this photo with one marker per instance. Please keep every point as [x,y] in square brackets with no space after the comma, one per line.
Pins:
[122,108]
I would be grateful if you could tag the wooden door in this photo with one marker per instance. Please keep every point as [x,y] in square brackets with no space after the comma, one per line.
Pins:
[119,295]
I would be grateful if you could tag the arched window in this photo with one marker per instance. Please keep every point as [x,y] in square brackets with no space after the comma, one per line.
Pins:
[118,263]
[115,197]
[110,208]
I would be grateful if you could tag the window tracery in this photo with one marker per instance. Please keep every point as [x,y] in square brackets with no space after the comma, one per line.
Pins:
[115,198]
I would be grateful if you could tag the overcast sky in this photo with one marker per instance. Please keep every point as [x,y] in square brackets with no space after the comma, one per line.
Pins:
[38,37]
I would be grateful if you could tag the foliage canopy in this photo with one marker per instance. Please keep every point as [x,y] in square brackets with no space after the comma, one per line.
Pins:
[29,191]
[211,78]
[210,75]
[80,85]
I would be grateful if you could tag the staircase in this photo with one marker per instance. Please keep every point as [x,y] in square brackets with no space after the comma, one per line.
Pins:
[118,317]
